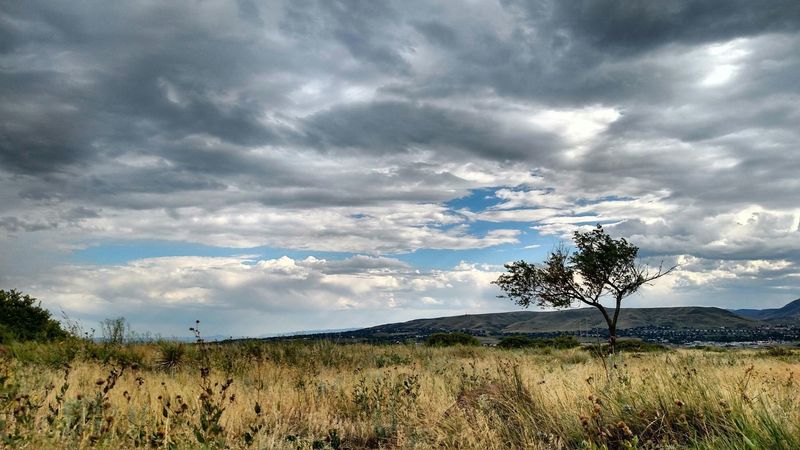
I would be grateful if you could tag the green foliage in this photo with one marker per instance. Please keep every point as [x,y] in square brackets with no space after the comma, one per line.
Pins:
[86,415]
[599,267]
[450,339]
[54,354]
[781,352]
[172,355]
[6,335]
[114,330]
[391,359]
[213,399]
[22,318]
[17,409]
[385,402]
[521,341]
[59,353]
[112,354]
[518,341]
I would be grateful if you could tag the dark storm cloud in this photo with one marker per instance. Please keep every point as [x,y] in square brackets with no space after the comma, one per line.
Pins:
[14,224]
[249,11]
[326,122]
[361,26]
[437,33]
[581,52]
[392,127]
[41,129]
[85,83]
[639,25]
[101,84]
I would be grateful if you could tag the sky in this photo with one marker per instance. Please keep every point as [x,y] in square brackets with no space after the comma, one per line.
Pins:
[268,167]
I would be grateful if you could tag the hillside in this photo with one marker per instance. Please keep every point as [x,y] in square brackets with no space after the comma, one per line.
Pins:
[688,317]
[790,313]
[685,317]
[678,325]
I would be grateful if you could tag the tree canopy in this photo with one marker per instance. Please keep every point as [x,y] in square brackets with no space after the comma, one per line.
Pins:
[22,318]
[450,339]
[600,267]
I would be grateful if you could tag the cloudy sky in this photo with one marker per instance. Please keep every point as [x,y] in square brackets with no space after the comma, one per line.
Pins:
[275,166]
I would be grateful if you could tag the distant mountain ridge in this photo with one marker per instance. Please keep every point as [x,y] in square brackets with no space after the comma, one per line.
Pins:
[683,317]
[679,324]
[789,313]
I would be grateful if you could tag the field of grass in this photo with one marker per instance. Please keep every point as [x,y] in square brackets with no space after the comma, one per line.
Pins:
[316,395]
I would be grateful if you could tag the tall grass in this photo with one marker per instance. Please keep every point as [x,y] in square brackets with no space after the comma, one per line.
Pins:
[323,395]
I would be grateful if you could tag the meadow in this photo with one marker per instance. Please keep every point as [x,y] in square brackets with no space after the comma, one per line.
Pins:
[324,395]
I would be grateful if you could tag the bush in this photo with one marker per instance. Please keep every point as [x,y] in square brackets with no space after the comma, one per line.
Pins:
[124,355]
[450,339]
[6,336]
[171,355]
[54,354]
[520,341]
[779,351]
[114,330]
[22,318]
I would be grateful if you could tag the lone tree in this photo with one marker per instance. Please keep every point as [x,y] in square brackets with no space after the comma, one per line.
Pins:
[600,267]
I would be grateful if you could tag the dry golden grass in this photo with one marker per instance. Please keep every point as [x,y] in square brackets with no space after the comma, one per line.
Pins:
[323,395]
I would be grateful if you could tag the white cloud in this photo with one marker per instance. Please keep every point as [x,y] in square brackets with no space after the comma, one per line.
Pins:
[266,296]
[577,126]
[724,59]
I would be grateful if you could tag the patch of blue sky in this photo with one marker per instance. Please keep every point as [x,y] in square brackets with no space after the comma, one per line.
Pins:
[530,247]
[429,259]
[481,227]
[477,200]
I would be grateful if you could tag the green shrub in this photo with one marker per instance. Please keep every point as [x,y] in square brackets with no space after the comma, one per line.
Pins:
[391,359]
[22,318]
[114,330]
[54,354]
[517,341]
[450,339]
[124,355]
[171,355]
[779,351]
[6,336]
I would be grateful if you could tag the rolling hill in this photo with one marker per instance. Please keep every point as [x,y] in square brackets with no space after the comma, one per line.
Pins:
[685,317]
[682,324]
[790,313]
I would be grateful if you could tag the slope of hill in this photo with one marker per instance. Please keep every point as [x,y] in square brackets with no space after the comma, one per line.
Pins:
[489,323]
[685,317]
[673,324]
[688,317]
[787,314]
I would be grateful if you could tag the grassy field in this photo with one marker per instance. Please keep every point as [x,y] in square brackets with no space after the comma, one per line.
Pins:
[323,395]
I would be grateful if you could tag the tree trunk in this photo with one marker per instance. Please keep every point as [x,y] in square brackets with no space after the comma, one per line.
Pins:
[612,336]
[612,324]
